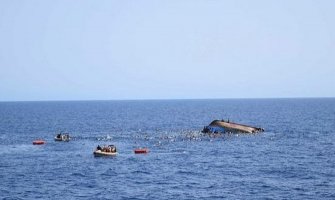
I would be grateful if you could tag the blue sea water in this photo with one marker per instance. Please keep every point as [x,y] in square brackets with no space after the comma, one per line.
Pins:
[293,159]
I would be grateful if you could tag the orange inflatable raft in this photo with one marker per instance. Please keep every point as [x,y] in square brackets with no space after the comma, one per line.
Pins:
[38,142]
[141,150]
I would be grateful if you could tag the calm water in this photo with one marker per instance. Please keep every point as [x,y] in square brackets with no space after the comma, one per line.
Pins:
[293,159]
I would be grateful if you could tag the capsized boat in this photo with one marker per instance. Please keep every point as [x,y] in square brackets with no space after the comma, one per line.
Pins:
[221,126]
[141,150]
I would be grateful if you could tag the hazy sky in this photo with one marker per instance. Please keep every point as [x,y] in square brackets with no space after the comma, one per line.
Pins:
[139,49]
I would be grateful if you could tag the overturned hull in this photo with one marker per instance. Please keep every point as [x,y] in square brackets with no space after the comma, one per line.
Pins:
[221,126]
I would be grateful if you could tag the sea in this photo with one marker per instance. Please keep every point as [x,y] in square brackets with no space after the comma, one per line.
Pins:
[293,159]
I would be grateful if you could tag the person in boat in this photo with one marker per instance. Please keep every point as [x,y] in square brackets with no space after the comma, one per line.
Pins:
[105,148]
[112,148]
[99,147]
[59,135]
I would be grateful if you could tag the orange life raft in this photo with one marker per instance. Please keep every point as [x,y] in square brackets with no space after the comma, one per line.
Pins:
[141,150]
[38,142]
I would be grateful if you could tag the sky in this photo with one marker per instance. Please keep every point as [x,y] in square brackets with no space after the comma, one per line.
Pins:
[167,49]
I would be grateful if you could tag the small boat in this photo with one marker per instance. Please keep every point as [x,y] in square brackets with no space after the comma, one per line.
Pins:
[62,137]
[38,142]
[99,153]
[109,150]
[141,150]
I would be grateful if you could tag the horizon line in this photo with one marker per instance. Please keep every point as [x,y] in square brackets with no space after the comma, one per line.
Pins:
[165,99]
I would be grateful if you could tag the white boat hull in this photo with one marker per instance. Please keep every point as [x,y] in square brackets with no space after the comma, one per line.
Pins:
[62,139]
[102,153]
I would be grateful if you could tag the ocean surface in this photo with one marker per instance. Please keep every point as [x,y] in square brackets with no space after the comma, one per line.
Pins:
[293,159]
